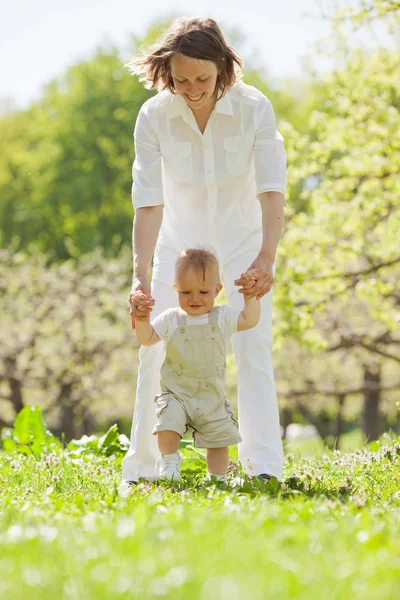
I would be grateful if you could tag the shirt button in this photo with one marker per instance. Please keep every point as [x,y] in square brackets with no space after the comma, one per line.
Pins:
[213,328]
[168,361]
[182,330]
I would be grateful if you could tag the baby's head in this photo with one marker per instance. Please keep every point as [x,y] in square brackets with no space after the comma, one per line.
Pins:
[197,281]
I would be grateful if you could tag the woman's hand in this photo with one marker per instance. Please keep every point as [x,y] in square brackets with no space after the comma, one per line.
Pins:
[140,301]
[258,279]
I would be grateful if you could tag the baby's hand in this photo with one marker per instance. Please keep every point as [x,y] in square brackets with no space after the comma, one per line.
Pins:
[140,306]
[251,276]
[137,296]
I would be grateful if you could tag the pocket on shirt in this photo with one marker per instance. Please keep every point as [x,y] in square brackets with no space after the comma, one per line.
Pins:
[238,152]
[178,158]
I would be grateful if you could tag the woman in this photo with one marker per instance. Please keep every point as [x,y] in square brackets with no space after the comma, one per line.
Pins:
[210,170]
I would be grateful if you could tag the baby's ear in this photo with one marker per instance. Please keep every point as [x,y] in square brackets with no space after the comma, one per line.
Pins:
[218,289]
[175,288]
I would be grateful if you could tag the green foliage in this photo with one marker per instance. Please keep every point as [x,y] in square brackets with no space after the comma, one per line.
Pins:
[336,293]
[66,168]
[111,443]
[353,158]
[365,12]
[29,434]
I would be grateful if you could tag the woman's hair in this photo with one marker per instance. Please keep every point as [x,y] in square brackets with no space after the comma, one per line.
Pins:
[198,259]
[199,38]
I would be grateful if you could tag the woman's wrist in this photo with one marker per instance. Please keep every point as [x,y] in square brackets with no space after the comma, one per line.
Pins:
[267,256]
[141,274]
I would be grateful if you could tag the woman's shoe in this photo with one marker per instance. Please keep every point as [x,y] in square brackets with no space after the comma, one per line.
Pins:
[125,488]
[269,481]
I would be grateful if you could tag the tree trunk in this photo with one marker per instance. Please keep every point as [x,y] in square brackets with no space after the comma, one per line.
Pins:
[313,420]
[14,383]
[67,412]
[285,421]
[4,423]
[338,428]
[371,404]
[88,422]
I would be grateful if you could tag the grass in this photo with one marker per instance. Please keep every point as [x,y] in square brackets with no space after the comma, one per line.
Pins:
[349,442]
[331,531]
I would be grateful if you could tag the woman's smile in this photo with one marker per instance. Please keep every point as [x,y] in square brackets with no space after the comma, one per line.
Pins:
[194,98]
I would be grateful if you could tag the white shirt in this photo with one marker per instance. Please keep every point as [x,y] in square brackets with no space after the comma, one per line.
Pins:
[208,183]
[166,323]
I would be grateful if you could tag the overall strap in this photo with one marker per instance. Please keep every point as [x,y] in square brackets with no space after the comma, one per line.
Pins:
[213,316]
[181,320]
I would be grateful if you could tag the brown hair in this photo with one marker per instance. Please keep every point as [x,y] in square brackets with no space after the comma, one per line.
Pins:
[199,38]
[198,259]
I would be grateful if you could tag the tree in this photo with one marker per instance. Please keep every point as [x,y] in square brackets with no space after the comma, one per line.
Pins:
[65,340]
[341,258]
[66,167]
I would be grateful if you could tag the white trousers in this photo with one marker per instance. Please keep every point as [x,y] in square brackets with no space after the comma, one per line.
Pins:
[261,449]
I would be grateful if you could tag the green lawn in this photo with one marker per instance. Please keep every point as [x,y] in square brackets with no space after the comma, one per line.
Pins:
[349,442]
[331,532]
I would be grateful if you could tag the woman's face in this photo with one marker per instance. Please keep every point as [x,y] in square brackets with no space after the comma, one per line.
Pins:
[195,80]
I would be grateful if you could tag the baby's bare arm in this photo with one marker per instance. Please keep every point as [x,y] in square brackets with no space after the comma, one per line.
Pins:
[250,315]
[145,333]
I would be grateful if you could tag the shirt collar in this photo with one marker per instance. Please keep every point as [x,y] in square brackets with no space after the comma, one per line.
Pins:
[224,105]
[178,107]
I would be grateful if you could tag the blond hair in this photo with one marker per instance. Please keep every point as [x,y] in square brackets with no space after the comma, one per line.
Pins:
[198,259]
[199,38]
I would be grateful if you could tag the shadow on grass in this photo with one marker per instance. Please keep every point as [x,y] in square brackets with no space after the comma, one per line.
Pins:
[238,482]
[193,481]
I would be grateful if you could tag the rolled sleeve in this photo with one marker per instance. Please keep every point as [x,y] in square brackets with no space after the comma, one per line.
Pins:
[269,153]
[147,188]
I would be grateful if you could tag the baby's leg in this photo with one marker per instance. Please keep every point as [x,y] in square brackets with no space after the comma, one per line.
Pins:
[168,464]
[169,430]
[168,441]
[217,461]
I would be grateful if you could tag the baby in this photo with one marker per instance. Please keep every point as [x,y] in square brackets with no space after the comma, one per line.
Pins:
[196,337]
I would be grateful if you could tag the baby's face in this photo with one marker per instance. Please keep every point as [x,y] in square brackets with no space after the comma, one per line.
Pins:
[197,295]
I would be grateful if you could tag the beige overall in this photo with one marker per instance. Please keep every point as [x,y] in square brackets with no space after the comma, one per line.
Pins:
[193,386]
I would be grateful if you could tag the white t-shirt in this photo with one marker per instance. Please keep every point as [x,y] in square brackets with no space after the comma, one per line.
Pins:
[166,323]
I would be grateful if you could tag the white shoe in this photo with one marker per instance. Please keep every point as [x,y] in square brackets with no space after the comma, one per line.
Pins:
[214,478]
[237,481]
[168,466]
[125,489]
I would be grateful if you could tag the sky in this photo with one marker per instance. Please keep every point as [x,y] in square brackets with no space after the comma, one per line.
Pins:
[39,40]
